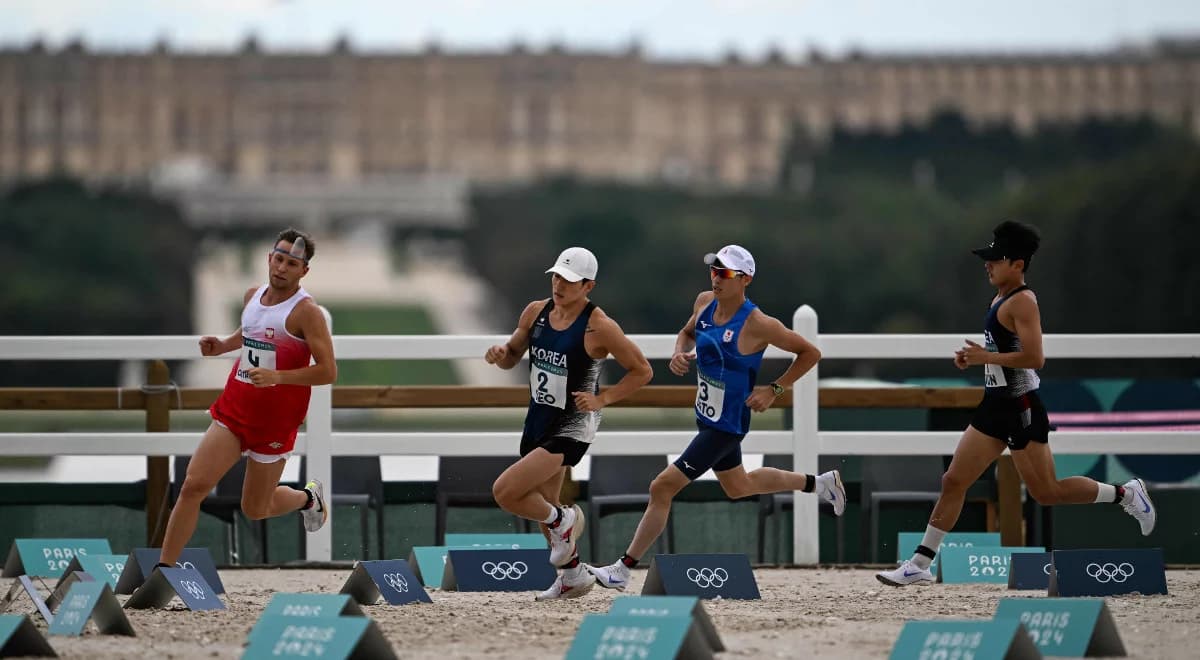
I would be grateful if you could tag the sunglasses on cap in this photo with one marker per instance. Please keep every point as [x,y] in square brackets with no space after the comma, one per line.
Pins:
[724,273]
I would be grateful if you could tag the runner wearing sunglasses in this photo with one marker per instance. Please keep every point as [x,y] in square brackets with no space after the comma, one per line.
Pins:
[729,335]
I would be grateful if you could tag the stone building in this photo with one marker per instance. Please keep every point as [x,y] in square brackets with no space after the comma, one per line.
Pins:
[345,116]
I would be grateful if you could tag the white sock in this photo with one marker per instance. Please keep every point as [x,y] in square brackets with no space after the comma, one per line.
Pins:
[932,539]
[1106,493]
[553,515]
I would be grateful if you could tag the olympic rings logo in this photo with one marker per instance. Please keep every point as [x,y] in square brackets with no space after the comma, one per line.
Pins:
[396,581]
[708,577]
[1110,572]
[185,564]
[193,588]
[504,570]
[1046,569]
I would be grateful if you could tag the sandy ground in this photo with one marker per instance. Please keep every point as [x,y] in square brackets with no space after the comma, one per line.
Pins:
[830,613]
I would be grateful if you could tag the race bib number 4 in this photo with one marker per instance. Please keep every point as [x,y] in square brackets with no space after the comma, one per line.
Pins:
[710,398]
[548,384]
[255,355]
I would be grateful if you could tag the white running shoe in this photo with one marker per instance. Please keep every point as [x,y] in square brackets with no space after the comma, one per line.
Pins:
[907,573]
[613,576]
[1137,504]
[833,491]
[563,537]
[570,583]
[316,515]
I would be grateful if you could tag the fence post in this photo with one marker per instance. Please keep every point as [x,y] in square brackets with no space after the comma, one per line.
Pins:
[1008,486]
[158,475]
[806,538]
[318,546]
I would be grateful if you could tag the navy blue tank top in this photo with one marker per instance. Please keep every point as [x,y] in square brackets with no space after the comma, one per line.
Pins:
[559,365]
[725,377]
[998,380]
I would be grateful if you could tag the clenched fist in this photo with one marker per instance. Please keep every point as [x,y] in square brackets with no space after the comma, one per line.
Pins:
[496,354]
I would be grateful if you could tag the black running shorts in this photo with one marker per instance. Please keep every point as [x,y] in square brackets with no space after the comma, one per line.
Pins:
[1017,421]
[572,450]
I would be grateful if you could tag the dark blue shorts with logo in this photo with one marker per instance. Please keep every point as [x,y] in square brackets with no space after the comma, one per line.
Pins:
[710,449]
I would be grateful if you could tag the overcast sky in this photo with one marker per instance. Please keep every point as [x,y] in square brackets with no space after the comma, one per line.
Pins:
[705,28]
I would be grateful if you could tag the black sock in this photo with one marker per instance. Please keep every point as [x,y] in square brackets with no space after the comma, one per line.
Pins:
[1120,493]
[309,504]
[557,517]
[573,563]
[922,550]
[629,562]
[162,565]
[810,483]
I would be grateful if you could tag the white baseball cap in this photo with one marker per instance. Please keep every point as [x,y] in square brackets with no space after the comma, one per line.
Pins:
[574,264]
[733,256]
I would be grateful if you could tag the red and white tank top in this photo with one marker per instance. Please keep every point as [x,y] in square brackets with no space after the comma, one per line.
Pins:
[267,344]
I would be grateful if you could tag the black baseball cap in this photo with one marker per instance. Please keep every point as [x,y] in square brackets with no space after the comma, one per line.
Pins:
[1010,240]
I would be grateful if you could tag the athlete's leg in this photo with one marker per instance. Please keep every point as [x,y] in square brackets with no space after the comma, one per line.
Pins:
[974,453]
[1035,464]
[263,497]
[519,490]
[219,450]
[551,491]
[737,483]
[663,490]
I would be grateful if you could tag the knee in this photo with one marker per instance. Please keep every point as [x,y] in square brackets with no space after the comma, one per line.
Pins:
[737,490]
[503,492]
[661,491]
[194,490]
[255,510]
[1046,495]
[953,482]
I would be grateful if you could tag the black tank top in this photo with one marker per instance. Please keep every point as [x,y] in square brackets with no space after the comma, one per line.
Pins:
[998,380]
[559,365]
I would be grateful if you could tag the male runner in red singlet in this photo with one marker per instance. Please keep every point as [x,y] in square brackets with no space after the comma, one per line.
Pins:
[265,399]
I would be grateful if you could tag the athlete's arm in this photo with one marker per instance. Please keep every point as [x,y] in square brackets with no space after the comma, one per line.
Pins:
[314,330]
[210,345]
[770,331]
[612,339]
[685,341]
[1027,323]
[508,354]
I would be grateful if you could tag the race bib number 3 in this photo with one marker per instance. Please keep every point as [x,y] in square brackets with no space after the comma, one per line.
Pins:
[548,384]
[710,398]
[255,355]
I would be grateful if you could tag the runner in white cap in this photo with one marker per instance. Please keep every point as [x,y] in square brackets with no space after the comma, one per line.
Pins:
[729,334]
[567,338]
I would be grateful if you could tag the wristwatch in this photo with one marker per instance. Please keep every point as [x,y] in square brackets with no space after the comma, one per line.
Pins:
[777,389]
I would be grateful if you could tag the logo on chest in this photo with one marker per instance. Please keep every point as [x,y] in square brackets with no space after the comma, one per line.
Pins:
[270,333]
[727,337]
[548,356]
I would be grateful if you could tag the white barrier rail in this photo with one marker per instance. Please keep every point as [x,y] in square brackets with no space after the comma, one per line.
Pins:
[320,442]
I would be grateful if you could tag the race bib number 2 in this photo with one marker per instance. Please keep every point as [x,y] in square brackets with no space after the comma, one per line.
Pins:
[255,355]
[548,385]
[710,398]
